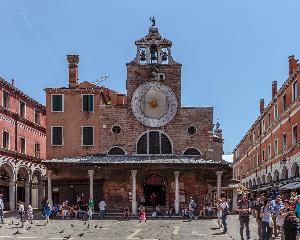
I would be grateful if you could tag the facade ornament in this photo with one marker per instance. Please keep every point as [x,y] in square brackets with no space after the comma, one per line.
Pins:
[152,19]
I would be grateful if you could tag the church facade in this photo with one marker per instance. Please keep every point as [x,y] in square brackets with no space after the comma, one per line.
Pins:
[117,147]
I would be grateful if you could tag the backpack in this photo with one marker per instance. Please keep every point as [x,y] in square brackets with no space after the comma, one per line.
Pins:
[194,205]
[225,211]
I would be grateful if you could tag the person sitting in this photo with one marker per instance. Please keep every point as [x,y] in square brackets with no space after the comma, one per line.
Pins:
[126,212]
[158,211]
[102,207]
[142,214]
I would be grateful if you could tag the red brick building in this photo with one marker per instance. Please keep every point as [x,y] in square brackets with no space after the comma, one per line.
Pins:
[22,146]
[268,155]
[114,146]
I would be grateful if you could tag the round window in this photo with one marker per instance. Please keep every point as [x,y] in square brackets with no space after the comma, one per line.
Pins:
[116,129]
[192,130]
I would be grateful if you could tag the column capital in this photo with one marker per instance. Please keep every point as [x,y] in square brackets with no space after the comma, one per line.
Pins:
[49,173]
[219,173]
[133,173]
[176,173]
[91,172]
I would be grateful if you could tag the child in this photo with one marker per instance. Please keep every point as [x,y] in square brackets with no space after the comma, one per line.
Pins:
[30,213]
[21,209]
[142,216]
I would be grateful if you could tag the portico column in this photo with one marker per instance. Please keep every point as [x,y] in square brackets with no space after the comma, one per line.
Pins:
[41,193]
[49,176]
[12,195]
[176,202]
[91,174]
[134,204]
[27,193]
[219,181]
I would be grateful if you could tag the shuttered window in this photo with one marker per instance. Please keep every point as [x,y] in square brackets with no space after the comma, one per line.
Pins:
[87,136]
[87,103]
[57,103]
[57,136]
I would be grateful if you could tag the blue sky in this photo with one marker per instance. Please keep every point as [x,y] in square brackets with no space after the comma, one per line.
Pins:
[231,51]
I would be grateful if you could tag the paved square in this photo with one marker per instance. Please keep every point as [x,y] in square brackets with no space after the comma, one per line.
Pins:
[112,229]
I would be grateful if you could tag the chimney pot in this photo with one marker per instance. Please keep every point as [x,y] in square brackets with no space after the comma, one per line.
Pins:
[293,64]
[262,105]
[73,70]
[274,89]
[12,82]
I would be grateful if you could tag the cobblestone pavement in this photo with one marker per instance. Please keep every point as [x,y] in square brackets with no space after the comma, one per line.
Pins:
[112,229]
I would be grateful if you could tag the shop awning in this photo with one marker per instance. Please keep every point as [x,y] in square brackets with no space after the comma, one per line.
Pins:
[262,188]
[290,186]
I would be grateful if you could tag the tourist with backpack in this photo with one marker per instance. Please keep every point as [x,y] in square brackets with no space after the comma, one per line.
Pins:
[192,207]
[224,212]
[267,222]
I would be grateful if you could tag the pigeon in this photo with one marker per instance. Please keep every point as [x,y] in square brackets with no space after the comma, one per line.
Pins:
[17,224]
[80,235]
[67,237]
[88,226]
[28,228]
[12,222]
[72,225]
[84,223]
[96,226]
[17,232]
[62,231]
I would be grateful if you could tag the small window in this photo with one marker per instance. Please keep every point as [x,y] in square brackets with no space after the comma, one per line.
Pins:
[116,151]
[284,142]
[87,103]
[275,111]
[253,136]
[192,130]
[295,135]
[192,152]
[37,150]
[57,136]
[22,109]
[295,90]
[37,116]
[275,147]
[269,151]
[23,145]
[87,136]
[263,128]
[284,102]
[57,103]
[5,139]
[5,99]
[116,129]
[269,120]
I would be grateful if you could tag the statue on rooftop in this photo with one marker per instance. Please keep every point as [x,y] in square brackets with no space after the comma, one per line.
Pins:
[152,19]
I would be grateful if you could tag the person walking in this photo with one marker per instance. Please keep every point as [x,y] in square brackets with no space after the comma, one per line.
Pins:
[47,212]
[21,210]
[290,223]
[1,209]
[244,213]
[276,206]
[192,207]
[30,214]
[266,214]
[224,211]
[102,208]
[258,205]
[280,221]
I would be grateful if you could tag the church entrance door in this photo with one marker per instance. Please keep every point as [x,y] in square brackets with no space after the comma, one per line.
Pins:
[154,191]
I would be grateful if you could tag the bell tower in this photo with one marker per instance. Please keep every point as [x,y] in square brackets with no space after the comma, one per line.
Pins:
[153,63]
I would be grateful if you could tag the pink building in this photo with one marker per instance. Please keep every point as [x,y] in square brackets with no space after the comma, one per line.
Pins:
[22,146]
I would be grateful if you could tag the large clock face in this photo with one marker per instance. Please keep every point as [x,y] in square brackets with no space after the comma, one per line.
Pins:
[154,104]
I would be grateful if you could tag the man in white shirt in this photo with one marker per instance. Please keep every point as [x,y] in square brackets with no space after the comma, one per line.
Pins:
[102,207]
[1,208]
[224,211]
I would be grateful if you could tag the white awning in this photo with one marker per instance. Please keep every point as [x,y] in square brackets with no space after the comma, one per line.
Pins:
[290,186]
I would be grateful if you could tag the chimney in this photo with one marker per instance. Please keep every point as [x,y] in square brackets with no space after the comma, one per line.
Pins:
[274,88]
[73,70]
[12,82]
[293,63]
[262,105]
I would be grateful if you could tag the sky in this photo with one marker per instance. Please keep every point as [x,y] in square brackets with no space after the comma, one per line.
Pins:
[230,51]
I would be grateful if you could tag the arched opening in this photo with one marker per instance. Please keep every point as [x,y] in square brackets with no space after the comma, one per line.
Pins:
[263,179]
[22,178]
[116,151]
[155,191]
[284,173]
[154,142]
[254,182]
[295,170]
[192,152]
[6,173]
[258,181]
[276,176]
[269,178]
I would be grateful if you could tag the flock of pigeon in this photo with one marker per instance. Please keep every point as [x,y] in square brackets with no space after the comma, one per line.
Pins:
[17,225]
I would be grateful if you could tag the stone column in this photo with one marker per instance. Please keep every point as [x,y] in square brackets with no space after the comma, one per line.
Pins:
[12,195]
[134,203]
[219,181]
[41,193]
[91,175]
[234,200]
[27,193]
[49,176]
[176,202]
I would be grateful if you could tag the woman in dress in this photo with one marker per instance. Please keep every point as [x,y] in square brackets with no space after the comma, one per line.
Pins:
[47,211]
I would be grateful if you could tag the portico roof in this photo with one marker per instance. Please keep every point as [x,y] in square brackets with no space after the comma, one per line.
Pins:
[137,159]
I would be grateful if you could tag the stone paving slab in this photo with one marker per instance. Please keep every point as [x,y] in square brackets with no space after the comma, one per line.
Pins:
[112,230]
